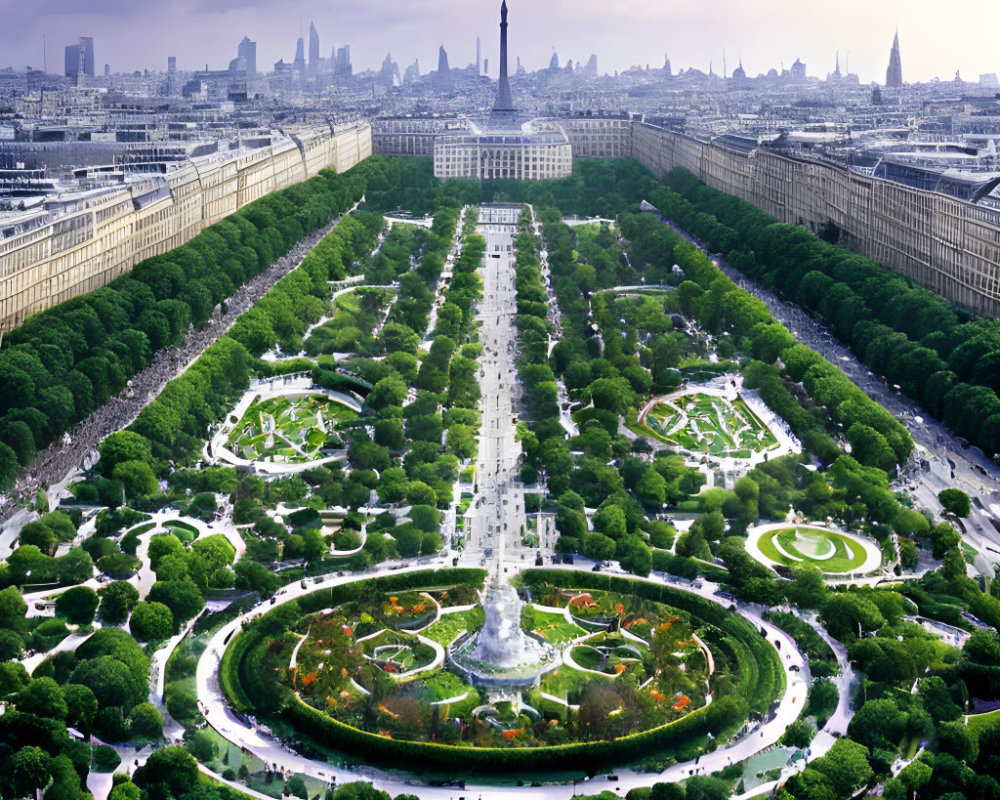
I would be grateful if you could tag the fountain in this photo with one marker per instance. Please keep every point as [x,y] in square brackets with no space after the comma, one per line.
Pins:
[500,653]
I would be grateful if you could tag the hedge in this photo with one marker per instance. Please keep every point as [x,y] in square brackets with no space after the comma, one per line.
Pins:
[767,679]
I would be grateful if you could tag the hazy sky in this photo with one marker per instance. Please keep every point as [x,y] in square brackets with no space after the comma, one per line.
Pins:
[936,38]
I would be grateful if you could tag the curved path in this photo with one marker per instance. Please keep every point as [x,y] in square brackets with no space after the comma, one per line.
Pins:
[873,554]
[221,718]
[54,466]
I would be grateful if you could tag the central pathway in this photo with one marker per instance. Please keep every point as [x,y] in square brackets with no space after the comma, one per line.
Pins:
[497,513]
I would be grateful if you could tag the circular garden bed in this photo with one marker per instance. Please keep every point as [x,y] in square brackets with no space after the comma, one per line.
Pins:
[646,671]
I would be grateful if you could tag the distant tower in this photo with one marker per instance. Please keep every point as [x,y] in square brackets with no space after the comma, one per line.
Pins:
[503,114]
[313,49]
[443,77]
[299,65]
[479,56]
[171,89]
[247,52]
[80,60]
[894,74]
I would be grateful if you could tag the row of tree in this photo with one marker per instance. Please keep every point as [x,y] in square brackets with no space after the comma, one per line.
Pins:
[68,360]
[941,357]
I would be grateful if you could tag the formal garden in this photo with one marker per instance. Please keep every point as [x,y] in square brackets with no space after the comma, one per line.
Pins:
[373,668]
[707,424]
[831,551]
[290,428]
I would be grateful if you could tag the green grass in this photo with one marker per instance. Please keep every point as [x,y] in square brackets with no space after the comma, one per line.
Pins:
[850,555]
[552,627]
[449,626]
[979,722]
[293,430]
[714,425]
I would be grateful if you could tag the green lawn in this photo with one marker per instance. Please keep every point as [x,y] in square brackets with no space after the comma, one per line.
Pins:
[713,425]
[979,722]
[449,626]
[849,554]
[553,627]
[292,430]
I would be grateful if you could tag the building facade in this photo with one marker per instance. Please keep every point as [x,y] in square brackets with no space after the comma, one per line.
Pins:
[72,246]
[544,155]
[949,245]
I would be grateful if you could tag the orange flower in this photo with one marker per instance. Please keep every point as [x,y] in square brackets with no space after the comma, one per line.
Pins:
[309,679]
[682,702]
[512,735]
[656,695]
[345,694]
[343,672]
[348,630]
[619,669]
[418,608]
[393,600]
[665,626]
[619,609]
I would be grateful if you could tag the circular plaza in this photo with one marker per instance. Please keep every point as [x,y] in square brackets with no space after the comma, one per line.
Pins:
[832,551]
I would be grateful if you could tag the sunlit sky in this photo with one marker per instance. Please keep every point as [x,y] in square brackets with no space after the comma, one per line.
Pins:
[935,38]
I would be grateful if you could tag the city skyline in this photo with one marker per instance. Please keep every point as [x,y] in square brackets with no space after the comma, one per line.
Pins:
[932,44]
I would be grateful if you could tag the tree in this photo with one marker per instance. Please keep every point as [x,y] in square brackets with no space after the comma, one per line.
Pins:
[147,721]
[807,589]
[117,601]
[848,614]
[13,678]
[878,723]
[168,772]
[81,706]
[957,740]
[120,447]
[11,645]
[956,501]
[651,488]
[30,768]
[137,477]
[43,698]
[598,547]
[937,699]
[77,605]
[634,555]
[426,518]
[75,567]
[614,394]
[183,598]
[12,609]
[151,622]
[846,766]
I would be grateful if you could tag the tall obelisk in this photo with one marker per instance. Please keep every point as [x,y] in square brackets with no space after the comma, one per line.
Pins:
[503,116]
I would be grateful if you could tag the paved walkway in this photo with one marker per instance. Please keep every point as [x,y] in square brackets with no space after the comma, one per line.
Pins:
[54,466]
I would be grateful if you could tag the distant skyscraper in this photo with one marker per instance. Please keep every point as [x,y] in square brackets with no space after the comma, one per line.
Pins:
[80,60]
[503,115]
[443,77]
[479,56]
[299,64]
[313,49]
[171,88]
[342,67]
[894,74]
[247,53]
